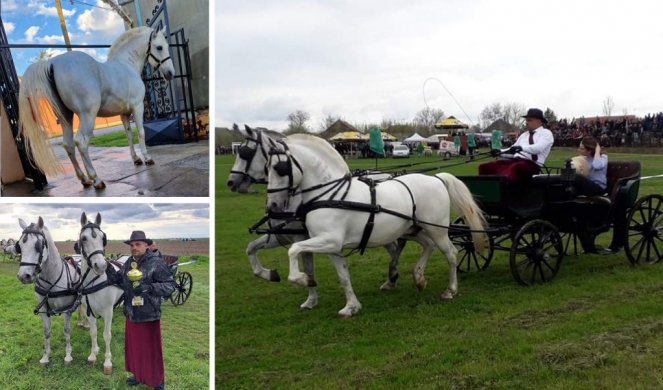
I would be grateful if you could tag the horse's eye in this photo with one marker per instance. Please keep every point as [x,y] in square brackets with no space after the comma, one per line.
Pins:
[159,48]
[84,238]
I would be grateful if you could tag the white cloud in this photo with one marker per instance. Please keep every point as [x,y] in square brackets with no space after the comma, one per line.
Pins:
[31,32]
[97,19]
[50,39]
[9,27]
[9,5]
[41,9]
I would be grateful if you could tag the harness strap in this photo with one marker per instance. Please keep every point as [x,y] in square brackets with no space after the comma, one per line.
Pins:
[415,221]
[368,229]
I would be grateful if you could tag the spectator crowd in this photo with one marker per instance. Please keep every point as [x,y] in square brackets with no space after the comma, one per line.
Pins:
[624,130]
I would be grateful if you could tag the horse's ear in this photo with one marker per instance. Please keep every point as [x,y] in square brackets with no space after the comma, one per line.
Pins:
[22,223]
[83,219]
[98,219]
[235,127]
[248,130]
[40,223]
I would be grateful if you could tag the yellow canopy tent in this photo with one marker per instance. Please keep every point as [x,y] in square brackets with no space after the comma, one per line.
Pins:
[385,137]
[451,123]
[347,136]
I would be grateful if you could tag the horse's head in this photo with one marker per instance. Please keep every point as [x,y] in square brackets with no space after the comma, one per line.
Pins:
[285,176]
[251,160]
[92,241]
[33,248]
[158,54]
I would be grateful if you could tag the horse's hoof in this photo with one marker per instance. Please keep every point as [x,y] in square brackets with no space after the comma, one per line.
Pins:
[447,295]
[387,286]
[149,162]
[90,362]
[138,162]
[87,184]
[108,370]
[83,326]
[274,276]
[312,282]
[43,364]
[67,362]
[100,186]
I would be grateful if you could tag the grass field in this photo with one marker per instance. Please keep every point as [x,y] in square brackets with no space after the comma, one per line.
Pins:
[599,324]
[116,138]
[185,332]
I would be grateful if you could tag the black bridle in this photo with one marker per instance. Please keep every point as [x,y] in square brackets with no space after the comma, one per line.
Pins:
[149,53]
[284,168]
[87,256]
[247,153]
[40,245]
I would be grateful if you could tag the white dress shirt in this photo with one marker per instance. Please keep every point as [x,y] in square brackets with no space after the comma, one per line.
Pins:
[543,142]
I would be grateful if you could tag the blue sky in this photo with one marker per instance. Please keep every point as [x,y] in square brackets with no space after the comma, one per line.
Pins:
[36,21]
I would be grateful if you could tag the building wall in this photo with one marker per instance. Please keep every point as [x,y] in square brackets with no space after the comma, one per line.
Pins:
[192,16]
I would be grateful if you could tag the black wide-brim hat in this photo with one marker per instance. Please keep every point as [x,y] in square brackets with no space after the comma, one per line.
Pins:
[535,113]
[138,235]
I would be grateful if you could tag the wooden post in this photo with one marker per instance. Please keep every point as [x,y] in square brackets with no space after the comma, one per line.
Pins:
[65,34]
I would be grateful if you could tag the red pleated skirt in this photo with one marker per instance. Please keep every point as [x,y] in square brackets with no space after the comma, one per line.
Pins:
[143,353]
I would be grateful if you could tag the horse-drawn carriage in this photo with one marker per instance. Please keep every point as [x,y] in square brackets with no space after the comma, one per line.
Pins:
[309,185]
[536,222]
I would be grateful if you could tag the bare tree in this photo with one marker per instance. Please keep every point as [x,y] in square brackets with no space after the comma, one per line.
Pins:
[509,112]
[327,121]
[427,117]
[297,121]
[491,113]
[513,113]
[608,106]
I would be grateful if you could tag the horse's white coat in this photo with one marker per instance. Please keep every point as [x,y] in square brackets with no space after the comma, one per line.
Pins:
[83,86]
[331,230]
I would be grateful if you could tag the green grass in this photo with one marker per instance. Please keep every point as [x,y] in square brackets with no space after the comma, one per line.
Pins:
[185,332]
[116,138]
[597,325]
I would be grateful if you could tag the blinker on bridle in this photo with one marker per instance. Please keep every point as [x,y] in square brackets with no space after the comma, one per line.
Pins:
[40,245]
[86,256]
[247,154]
[284,168]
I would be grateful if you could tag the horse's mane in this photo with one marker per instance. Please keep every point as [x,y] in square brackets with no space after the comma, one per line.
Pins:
[271,133]
[327,153]
[124,38]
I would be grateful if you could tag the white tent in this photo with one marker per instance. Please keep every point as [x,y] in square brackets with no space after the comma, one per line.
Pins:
[414,138]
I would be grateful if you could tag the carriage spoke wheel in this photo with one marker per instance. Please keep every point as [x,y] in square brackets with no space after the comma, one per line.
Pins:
[468,259]
[536,254]
[644,236]
[183,285]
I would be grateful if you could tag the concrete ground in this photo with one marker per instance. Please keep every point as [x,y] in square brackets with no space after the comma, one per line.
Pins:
[180,171]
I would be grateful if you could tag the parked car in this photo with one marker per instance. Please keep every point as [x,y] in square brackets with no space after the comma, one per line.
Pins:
[401,151]
[447,150]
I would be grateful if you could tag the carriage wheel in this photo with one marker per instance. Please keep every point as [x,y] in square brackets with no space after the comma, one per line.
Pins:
[468,259]
[643,236]
[536,253]
[183,285]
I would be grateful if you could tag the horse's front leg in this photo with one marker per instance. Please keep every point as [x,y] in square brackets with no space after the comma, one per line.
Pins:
[352,305]
[138,118]
[82,321]
[67,338]
[108,322]
[130,138]
[83,142]
[263,242]
[94,349]
[309,269]
[46,321]
[318,244]
[394,249]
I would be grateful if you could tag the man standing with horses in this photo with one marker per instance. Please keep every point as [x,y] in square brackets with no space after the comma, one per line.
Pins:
[145,279]
[529,152]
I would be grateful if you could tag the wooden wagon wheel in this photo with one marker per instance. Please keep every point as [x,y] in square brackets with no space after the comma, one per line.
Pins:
[643,235]
[183,286]
[536,253]
[468,259]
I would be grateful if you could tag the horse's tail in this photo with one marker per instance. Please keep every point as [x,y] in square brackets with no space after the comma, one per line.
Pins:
[36,89]
[461,198]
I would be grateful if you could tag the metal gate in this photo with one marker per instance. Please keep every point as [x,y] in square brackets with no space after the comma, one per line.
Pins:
[170,103]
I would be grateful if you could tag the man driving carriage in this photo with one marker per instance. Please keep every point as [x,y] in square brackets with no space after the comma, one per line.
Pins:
[527,154]
[142,309]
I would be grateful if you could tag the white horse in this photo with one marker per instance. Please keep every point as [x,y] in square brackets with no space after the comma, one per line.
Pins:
[99,298]
[74,83]
[41,264]
[250,167]
[410,204]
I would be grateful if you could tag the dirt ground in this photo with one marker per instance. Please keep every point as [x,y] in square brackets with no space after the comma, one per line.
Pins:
[167,247]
